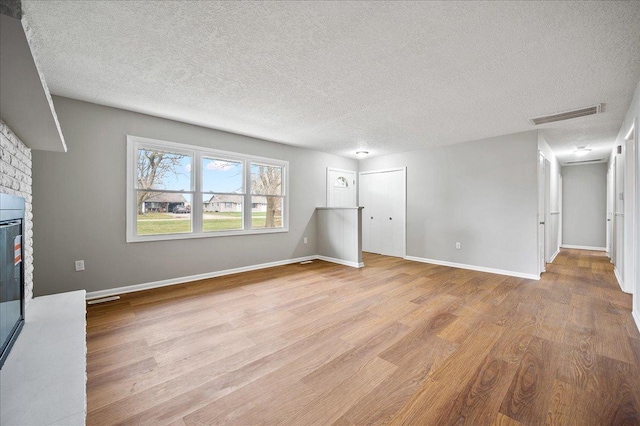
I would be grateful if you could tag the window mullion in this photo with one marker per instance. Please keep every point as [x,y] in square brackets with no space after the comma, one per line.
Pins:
[196,206]
[247,210]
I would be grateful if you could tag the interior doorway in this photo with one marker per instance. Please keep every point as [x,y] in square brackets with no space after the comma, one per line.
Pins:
[630,214]
[543,208]
[383,196]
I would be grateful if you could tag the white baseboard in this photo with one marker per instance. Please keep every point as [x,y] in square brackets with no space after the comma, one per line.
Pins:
[636,318]
[554,255]
[474,268]
[340,261]
[571,246]
[181,280]
[619,279]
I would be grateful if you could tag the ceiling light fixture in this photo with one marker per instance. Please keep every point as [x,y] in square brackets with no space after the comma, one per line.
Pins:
[362,152]
[582,150]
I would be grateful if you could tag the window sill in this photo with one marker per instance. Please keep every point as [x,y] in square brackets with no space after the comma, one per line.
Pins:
[213,234]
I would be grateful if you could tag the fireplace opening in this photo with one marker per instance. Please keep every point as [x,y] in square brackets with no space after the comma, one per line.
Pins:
[11,272]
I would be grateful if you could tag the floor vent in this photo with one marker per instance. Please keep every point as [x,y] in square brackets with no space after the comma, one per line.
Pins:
[567,115]
[584,161]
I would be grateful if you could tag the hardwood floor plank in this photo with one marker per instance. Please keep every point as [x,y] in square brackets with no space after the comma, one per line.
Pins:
[396,342]
[530,393]
[482,395]
[379,406]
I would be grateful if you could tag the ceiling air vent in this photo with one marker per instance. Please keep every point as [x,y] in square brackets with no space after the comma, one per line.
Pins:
[567,115]
[583,161]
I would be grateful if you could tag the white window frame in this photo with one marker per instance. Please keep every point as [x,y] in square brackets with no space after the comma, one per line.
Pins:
[198,153]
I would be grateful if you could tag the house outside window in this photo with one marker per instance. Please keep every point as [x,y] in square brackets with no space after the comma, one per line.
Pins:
[182,191]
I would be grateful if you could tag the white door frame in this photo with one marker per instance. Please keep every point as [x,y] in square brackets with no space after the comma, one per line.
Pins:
[404,198]
[542,196]
[630,209]
[560,210]
[630,215]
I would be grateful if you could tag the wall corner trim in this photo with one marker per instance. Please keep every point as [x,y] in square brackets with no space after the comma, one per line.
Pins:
[619,279]
[340,261]
[592,248]
[474,268]
[636,318]
[553,257]
[182,280]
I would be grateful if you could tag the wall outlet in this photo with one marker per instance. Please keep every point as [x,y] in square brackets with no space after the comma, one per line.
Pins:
[458,246]
[305,240]
[79,265]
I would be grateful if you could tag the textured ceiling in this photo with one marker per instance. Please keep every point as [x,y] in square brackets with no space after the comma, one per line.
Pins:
[342,76]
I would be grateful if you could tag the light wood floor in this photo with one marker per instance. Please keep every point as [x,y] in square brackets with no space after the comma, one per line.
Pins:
[395,342]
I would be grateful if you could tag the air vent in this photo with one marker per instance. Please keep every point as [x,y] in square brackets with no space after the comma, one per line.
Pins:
[583,161]
[567,115]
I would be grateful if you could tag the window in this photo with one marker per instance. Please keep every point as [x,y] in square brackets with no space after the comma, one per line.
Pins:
[181,191]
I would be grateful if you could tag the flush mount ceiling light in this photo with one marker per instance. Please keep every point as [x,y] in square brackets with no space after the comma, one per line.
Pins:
[582,150]
[567,115]
[362,152]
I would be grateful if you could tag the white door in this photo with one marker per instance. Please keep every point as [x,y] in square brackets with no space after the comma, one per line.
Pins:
[367,211]
[609,212]
[383,196]
[548,225]
[541,214]
[341,188]
[629,214]
[619,216]
[559,211]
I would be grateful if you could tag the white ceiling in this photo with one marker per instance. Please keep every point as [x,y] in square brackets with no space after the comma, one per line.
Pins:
[343,76]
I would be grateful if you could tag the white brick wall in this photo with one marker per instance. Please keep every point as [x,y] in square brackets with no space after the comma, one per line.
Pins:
[15,173]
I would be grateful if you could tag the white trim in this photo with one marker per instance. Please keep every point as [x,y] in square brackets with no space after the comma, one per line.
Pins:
[636,318]
[340,261]
[553,257]
[396,169]
[619,279]
[592,248]
[474,268]
[182,280]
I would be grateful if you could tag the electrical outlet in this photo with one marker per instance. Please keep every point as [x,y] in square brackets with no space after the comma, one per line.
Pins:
[79,265]
[458,246]
[305,240]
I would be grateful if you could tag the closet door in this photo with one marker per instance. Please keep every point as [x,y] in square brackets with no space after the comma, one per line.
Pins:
[394,245]
[367,212]
[382,194]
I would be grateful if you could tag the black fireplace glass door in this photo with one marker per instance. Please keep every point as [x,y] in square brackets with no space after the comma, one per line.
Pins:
[10,280]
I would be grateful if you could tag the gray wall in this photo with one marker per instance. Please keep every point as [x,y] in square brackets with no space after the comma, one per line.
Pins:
[79,204]
[481,193]
[584,206]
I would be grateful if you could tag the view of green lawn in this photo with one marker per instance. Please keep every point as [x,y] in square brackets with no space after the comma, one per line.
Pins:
[164,223]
